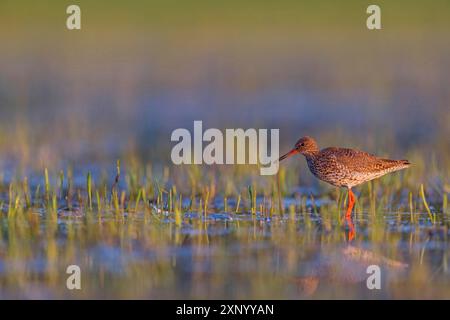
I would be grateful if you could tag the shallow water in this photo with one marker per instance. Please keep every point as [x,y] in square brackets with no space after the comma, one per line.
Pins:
[225,255]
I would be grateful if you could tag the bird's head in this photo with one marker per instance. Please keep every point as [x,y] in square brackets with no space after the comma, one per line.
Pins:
[305,146]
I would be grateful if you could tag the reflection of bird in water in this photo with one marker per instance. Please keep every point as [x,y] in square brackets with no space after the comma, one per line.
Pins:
[346,266]
[343,167]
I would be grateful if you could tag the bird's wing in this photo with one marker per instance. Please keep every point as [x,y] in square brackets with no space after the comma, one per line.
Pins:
[358,161]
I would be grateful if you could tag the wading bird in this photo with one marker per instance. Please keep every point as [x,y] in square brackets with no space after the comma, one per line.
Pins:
[342,167]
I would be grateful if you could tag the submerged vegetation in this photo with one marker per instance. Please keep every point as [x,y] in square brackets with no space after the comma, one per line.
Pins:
[184,231]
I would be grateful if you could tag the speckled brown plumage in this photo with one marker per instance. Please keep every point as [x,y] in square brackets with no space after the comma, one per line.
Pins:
[344,167]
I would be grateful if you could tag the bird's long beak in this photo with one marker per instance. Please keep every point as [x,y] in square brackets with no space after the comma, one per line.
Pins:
[290,153]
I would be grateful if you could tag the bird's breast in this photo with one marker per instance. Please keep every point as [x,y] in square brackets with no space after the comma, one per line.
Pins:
[329,170]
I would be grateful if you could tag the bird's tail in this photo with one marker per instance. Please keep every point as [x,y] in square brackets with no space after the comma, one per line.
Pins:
[405,162]
[395,165]
[401,164]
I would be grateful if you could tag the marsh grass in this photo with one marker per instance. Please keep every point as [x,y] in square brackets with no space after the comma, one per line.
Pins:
[152,214]
[132,193]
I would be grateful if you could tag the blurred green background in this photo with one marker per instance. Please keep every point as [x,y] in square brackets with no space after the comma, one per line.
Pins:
[136,71]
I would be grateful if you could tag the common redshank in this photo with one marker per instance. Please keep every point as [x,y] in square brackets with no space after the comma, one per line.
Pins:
[342,167]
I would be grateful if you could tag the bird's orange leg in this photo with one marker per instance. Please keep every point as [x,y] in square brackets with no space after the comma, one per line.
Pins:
[351,230]
[351,203]
[348,215]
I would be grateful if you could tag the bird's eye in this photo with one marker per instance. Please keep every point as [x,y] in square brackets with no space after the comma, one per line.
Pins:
[302,145]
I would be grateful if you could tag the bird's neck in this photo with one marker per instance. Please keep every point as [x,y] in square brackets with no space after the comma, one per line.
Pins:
[311,155]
